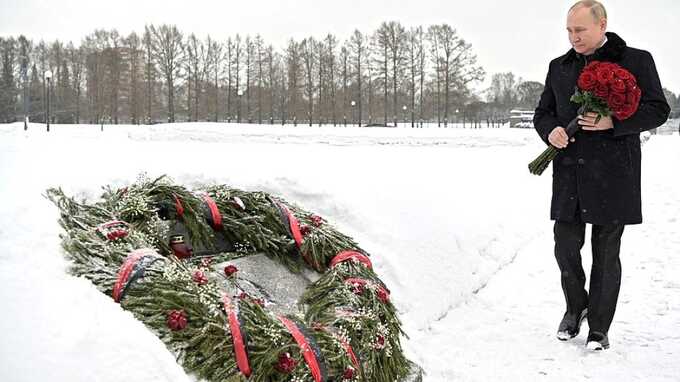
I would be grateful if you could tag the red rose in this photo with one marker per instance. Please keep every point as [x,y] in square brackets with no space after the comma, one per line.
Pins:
[616,100]
[625,112]
[349,373]
[587,81]
[229,270]
[200,278]
[601,91]
[177,320]
[622,74]
[604,75]
[618,86]
[286,363]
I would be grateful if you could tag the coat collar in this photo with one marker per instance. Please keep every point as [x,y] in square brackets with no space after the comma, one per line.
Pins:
[611,51]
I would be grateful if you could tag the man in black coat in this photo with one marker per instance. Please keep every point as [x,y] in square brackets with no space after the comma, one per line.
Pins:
[596,174]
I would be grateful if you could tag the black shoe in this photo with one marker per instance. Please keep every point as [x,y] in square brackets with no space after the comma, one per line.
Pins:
[571,325]
[597,341]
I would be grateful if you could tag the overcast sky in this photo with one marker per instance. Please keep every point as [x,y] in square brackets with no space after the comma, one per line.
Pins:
[517,36]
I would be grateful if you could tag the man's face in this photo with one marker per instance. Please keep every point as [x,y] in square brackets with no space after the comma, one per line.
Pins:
[585,33]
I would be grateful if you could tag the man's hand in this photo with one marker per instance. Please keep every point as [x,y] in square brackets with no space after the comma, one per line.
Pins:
[558,137]
[587,122]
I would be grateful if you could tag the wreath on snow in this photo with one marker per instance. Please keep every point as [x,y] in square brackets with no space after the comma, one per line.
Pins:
[181,285]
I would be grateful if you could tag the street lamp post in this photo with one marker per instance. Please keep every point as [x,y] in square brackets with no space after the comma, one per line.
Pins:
[238,112]
[353,115]
[48,77]
[24,80]
[404,108]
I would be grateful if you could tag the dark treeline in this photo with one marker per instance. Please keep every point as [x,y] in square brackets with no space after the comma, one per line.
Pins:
[393,74]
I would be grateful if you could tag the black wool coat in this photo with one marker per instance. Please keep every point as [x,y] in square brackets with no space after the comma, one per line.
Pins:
[596,179]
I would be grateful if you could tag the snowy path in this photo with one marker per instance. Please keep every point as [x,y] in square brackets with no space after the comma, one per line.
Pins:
[444,212]
[506,331]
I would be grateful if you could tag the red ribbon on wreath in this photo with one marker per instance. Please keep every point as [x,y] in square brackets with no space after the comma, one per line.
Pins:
[214,212]
[294,229]
[293,225]
[306,349]
[360,284]
[127,268]
[351,255]
[178,206]
[237,336]
[114,229]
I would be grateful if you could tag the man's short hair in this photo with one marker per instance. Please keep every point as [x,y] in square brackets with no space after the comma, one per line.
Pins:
[596,8]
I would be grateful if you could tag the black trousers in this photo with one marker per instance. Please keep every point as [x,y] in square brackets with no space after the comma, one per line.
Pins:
[605,274]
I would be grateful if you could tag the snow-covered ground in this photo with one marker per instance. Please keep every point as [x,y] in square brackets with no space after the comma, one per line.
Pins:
[457,227]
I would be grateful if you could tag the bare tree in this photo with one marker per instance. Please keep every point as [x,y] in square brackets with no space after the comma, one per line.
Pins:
[331,46]
[198,63]
[237,58]
[169,55]
[308,49]
[149,72]
[344,61]
[380,43]
[293,66]
[260,59]
[114,63]
[396,44]
[8,88]
[135,55]
[414,54]
[421,71]
[457,63]
[250,55]
[320,53]
[358,48]
[271,80]
[215,56]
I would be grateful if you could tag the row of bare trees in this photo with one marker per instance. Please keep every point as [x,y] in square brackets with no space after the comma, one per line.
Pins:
[393,74]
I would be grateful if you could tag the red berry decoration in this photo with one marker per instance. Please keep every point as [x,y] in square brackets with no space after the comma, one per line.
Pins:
[200,278]
[317,220]
[177,320]
[286,363]
[229,270]
[305,229]
[349,373]
[116,234]
[380,342]
[206,262]
[383,296]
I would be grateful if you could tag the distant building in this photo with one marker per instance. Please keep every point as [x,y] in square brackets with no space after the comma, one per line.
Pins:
[522,118]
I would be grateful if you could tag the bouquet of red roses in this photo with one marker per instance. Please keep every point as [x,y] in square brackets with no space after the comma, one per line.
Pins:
[604,88]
